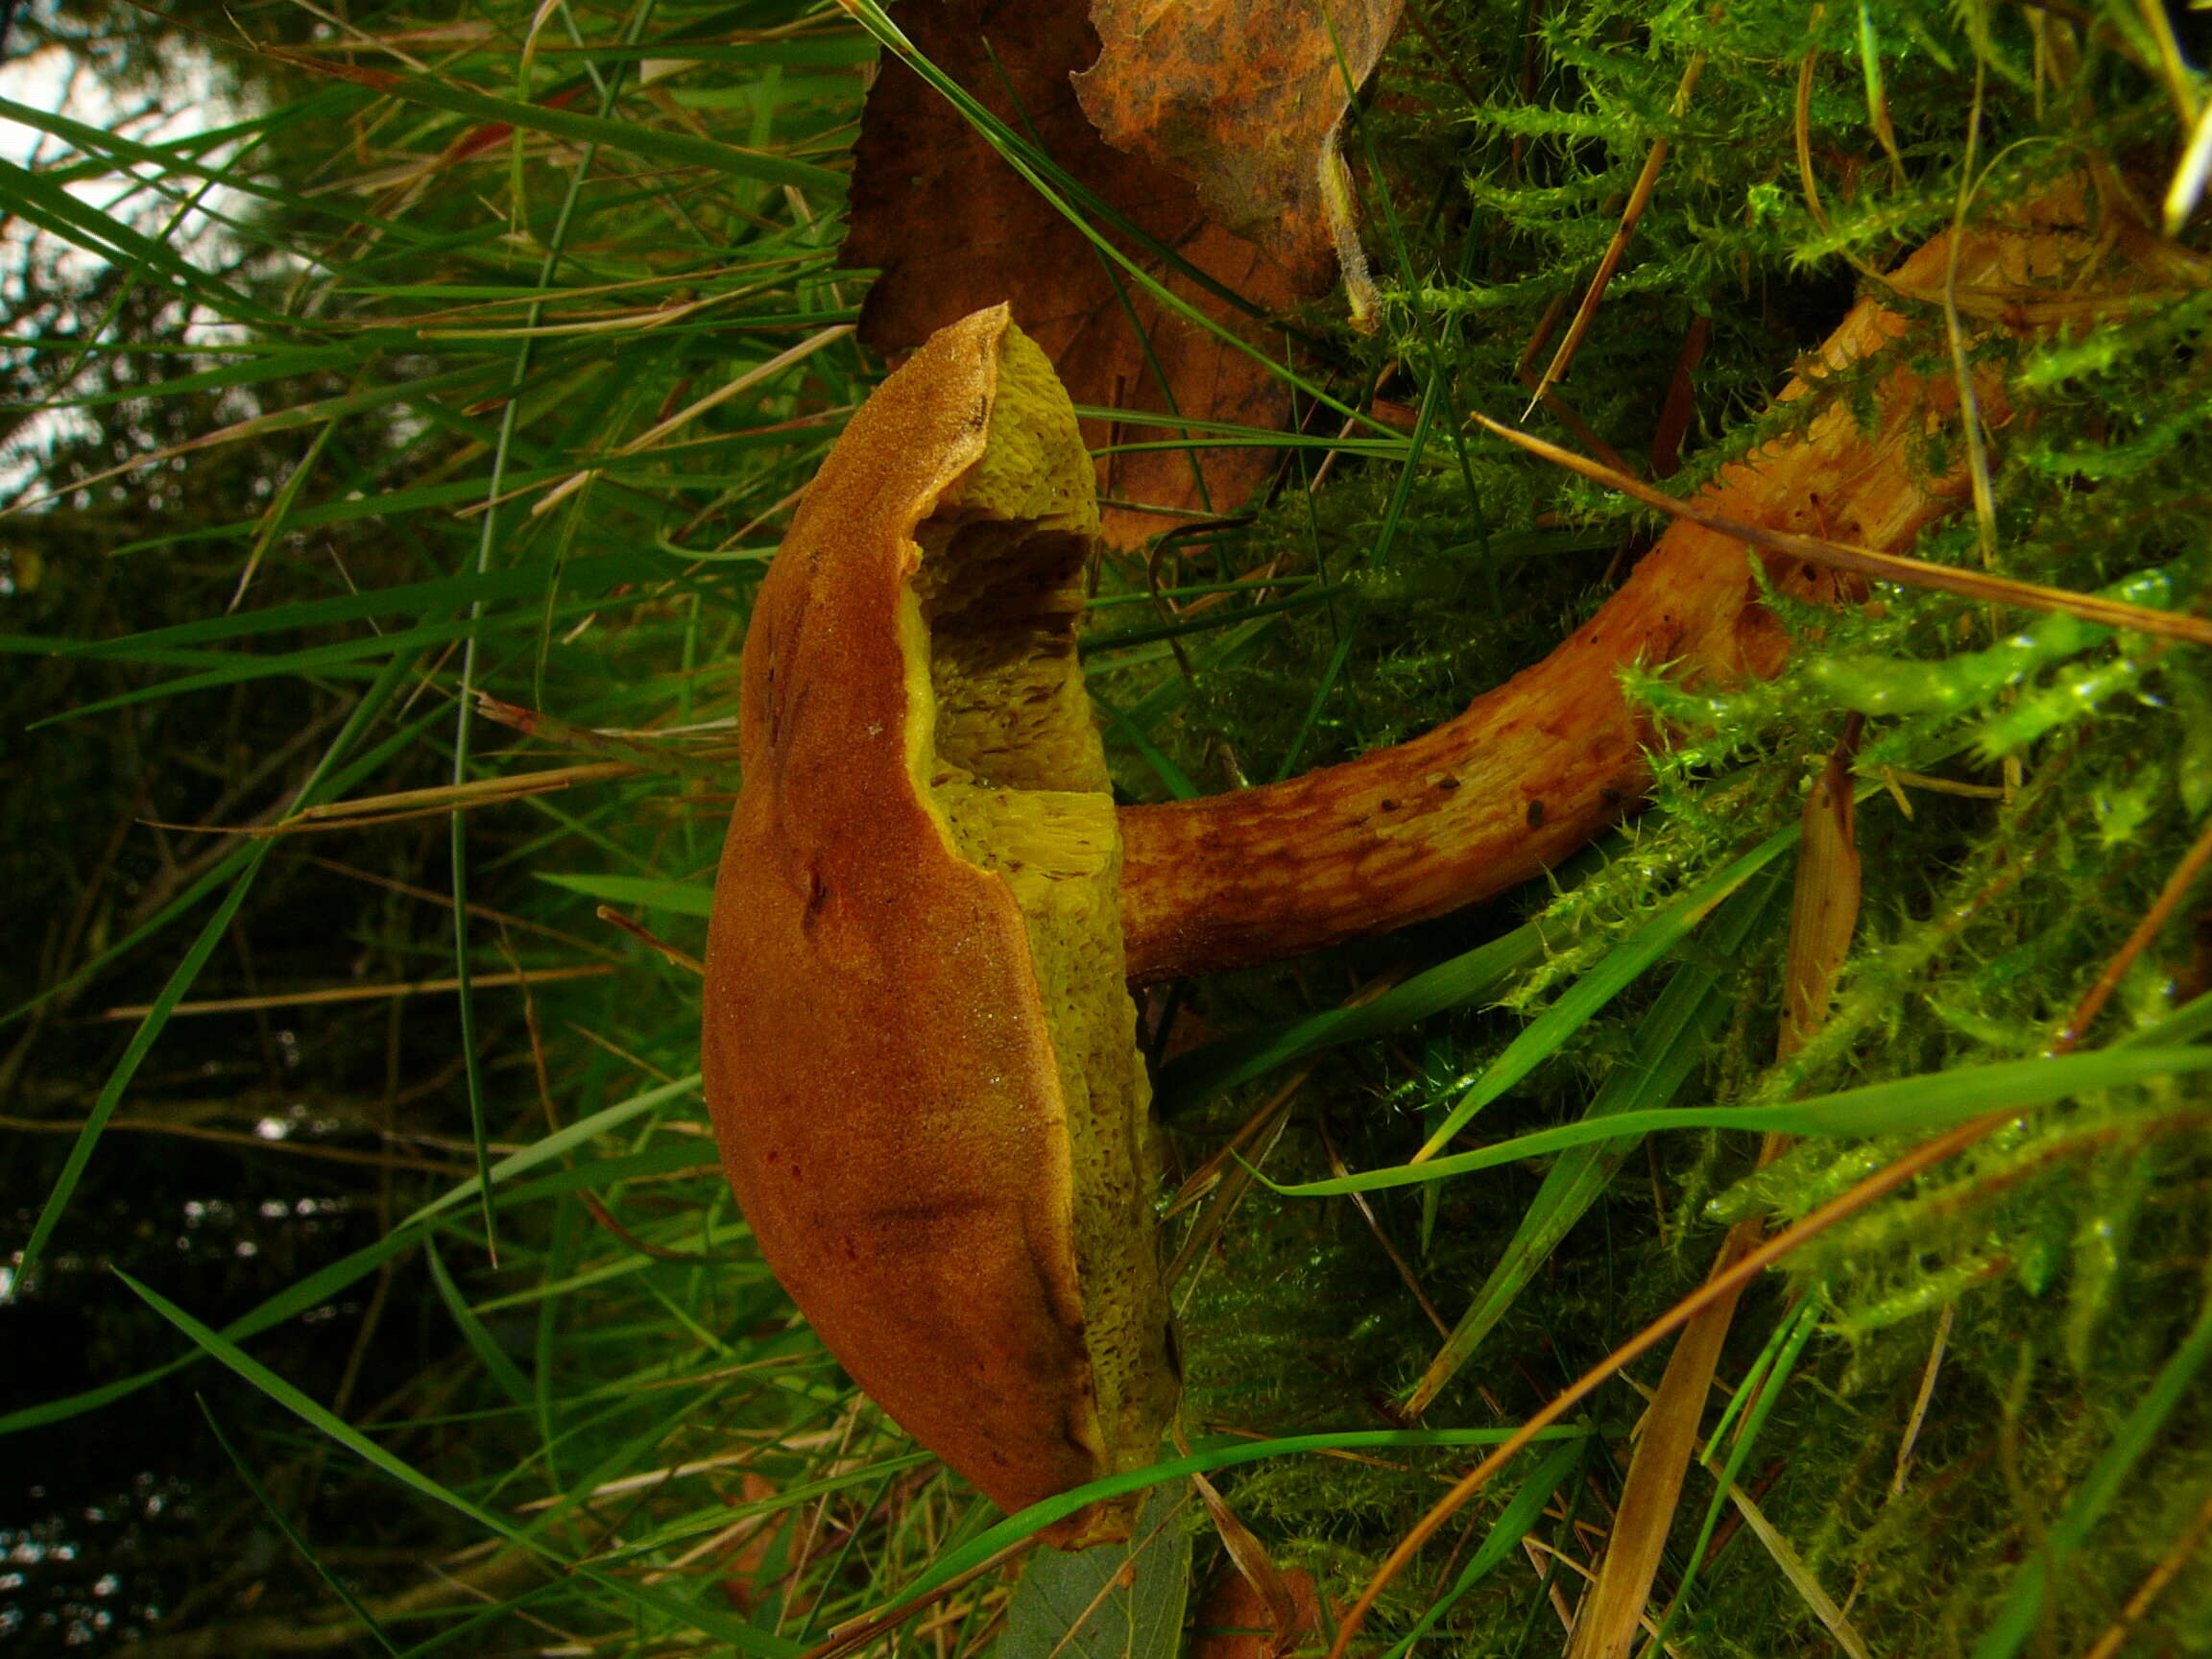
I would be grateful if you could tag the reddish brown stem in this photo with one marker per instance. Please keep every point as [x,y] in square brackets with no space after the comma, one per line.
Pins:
[1536,767]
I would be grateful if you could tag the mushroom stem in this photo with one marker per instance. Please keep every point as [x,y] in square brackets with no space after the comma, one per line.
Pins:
[1538,766]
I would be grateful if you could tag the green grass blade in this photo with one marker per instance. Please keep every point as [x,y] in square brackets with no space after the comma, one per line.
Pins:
[134,1052]
[1514,1523]
[327,1282]
[1619,968]
[1127,727]
[1765,1383]
[2187,1024]
[348,656]
[712,1520]
[1670,1044]
[55,211]
[691,1615]
[1197,1076]
[1122,640]
[1219,1456]
[257,370]
[481,1342]
[1909,1105]
[648,892]
[1324,688]
[2026,1604]
[440,597]
[292,1533]
[649,143]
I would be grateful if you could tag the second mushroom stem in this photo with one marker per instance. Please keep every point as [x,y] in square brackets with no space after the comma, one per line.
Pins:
[1535,768]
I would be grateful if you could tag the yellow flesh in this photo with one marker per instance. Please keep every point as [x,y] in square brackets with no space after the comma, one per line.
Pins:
[1005,752]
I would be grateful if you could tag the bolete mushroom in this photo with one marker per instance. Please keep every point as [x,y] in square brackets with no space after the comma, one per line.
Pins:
[919,1048]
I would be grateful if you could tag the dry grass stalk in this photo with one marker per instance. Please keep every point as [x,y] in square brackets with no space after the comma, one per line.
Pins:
[2186,875]
[356,992]
[1824,917]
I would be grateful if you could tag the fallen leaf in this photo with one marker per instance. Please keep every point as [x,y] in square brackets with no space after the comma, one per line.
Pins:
[1612,1612]
[1824,905]
[1256,1570]
[1111,1601]
[741,1573]
[1236,1623]
[1246,98]
[954,229]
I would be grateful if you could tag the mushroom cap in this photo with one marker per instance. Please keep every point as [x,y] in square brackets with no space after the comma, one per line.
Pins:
[917,1045]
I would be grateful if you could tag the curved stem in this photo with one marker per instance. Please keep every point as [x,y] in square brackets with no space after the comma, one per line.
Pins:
[1538,766]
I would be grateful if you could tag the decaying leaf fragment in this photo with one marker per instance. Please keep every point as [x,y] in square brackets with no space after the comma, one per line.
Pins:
[1246,98]
[953,229]
[917,1045]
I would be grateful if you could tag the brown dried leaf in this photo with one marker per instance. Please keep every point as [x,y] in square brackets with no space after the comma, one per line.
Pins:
[742,1573]
[1289,1611]
[1246,97]
[1236,1621]
[1825,909]
[954,229]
